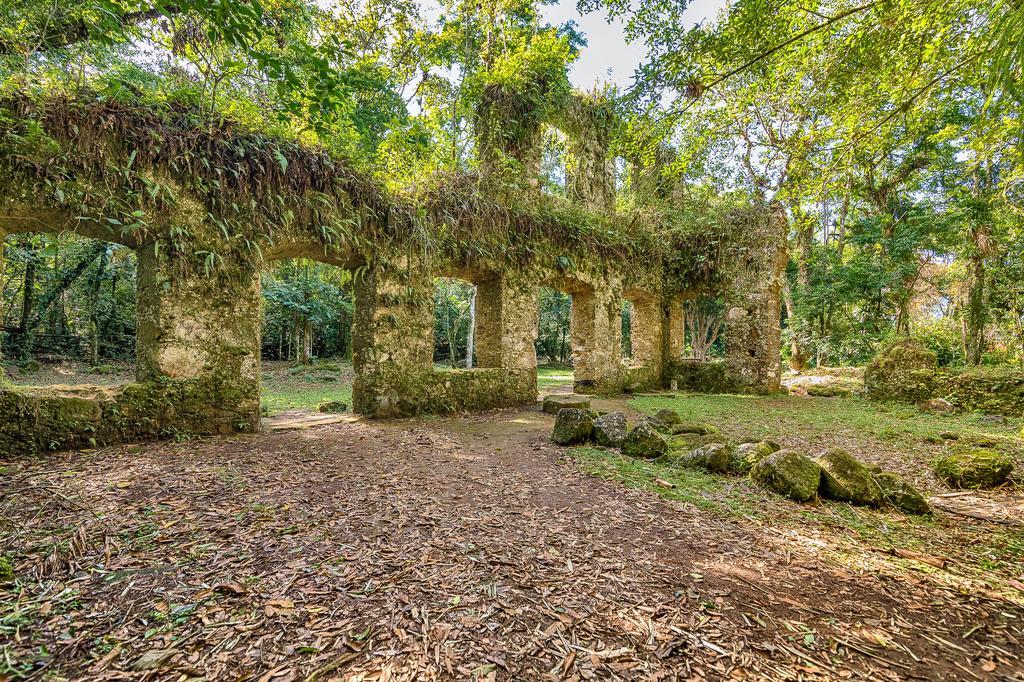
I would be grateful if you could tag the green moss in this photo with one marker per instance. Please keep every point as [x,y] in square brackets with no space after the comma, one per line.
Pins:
[974,468]
[902,370]
[788,473]
[845,478]
[991,390]
[901,494]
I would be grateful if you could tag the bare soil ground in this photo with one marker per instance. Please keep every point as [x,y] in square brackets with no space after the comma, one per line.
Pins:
[463,548]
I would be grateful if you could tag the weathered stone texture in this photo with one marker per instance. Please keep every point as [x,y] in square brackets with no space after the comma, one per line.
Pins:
[753,301]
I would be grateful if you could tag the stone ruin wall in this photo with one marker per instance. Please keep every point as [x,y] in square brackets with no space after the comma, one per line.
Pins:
[198,341]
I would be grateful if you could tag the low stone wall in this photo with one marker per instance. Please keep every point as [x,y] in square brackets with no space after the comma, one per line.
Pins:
[711,376]
[906,372]
[60,418]
[386,395]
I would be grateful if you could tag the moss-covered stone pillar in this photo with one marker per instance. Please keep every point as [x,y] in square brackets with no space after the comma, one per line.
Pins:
[392,337]
[675,329]
[647,341]
[596,331]
[752,275]
[198,342]
[506,323]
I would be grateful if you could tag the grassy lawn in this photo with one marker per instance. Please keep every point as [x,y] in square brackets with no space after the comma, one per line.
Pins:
[896,437]
[974,554]
[304,388]
[550,377]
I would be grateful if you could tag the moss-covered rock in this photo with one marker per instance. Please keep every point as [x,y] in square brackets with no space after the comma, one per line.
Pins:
[845,478]
[610,429]
[788,473]
[901,494]
[903,370]
[746,455]
[668,416]
[644,442]
[333,407]
[694,427]
[715,457]
[572,426]
[554,403]
[974,468]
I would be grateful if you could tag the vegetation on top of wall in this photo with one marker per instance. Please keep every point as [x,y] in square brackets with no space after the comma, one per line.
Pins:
[124,164]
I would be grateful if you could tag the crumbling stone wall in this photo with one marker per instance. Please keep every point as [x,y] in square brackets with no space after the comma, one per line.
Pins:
[393,344]
[752,277]
[199,326]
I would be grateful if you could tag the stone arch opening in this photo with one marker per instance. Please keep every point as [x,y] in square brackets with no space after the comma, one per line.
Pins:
[306,335]
[70,302]
[554,341]
[455,323]
[595,334]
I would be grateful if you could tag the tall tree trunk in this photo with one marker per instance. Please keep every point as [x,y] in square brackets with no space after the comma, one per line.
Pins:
[797,355]
[27,304]
[976,312]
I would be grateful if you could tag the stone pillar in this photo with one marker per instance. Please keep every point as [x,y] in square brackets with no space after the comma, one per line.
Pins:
[392,337]
[645,322]
[596,330]
[506,323]
[753,300]
[675,329]
[198,340]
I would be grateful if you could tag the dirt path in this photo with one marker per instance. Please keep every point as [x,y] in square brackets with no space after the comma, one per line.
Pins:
[447,549]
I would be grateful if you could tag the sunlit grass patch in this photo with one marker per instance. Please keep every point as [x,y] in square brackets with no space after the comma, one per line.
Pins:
[701,489]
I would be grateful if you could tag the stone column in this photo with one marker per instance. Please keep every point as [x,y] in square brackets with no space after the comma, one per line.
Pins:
[198,341]
[675,329]
[392,337]
[645,323]
[753,300]
[596,330]
[506,323]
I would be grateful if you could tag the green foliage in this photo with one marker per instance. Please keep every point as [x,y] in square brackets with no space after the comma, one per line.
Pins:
[307,311]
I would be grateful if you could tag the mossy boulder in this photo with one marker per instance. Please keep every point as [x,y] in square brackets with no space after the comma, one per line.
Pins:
[715,457]
[903,370]
[974,468]
[788,473]
[937,406]
[644,442]
[845,478]
[572,426]
[901,494]
[333,407]
[668,416]
[746,455]
[694,427]
[554,403]
[610,429]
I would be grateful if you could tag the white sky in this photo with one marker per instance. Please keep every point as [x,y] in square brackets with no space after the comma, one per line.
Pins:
[607,56]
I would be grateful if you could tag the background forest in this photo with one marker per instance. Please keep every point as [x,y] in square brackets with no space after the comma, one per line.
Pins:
[890,132]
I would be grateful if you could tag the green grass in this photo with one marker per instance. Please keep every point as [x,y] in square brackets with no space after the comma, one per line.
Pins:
[719,494]
[304,388]
[816,418]
[552,376]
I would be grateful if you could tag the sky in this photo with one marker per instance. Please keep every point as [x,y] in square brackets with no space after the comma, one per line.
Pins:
[607,56]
